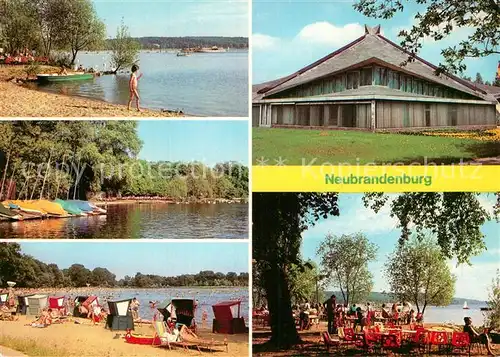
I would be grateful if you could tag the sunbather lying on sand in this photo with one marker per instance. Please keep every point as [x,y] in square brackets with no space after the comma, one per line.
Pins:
[46,318]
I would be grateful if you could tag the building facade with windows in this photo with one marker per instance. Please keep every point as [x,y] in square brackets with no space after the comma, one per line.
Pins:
[369,85]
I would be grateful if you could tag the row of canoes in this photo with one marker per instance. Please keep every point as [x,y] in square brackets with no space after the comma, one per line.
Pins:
[20,210]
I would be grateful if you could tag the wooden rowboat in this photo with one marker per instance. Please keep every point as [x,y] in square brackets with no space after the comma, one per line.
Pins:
[64,77]
[142,340]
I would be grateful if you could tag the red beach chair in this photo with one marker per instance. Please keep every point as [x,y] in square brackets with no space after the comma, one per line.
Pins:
[391,342]
[228,318]
[329,342]
[58,303]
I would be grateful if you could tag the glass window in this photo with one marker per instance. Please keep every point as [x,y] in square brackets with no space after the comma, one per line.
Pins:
[383,76]
[366,76]
[352,80]
[427,115]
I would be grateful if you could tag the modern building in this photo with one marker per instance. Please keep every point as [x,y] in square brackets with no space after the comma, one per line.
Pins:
[369,85]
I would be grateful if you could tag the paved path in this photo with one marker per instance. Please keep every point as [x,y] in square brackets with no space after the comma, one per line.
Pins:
[7,352]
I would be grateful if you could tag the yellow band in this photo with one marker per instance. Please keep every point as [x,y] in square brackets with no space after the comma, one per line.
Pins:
[333,178]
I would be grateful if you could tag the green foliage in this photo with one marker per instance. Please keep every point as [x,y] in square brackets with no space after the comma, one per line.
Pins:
[17,25]
[32,273]
[303,282]
[418,272]
[454,217]
[344,262]
[125,50]
[493,316]
[32,69]
[479,78]
[440,20]
[45,25]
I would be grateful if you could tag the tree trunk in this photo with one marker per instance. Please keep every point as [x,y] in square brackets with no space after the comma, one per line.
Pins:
[45,176]
[73,58]
[4,175]
[284,332]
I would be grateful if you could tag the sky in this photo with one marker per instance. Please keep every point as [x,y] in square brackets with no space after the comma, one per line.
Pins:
[128,258]
[208,141]
[288,35]
[473,281]
[173,18]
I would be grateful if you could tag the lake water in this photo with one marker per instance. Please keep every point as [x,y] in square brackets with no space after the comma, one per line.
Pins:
[204,84]
[150,220]
[206,298]
[455,314]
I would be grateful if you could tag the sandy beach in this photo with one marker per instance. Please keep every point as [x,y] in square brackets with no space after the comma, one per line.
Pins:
[16,100]
[85,339]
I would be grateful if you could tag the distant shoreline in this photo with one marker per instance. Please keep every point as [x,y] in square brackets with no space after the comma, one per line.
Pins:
[167,201]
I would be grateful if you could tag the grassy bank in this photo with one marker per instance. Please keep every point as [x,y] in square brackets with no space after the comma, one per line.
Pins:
[298,146]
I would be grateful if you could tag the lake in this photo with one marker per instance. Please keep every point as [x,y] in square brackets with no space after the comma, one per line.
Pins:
[455,314]
[202,84]
[206,298]
[149,220]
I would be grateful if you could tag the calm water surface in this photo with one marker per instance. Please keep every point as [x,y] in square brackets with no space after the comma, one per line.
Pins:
[194,221]
[206,298]
[205,84]
[455,314]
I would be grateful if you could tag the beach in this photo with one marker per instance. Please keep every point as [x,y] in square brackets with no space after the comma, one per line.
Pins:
[85,339]
[16,100]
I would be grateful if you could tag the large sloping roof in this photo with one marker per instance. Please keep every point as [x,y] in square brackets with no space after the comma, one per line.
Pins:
[369,48]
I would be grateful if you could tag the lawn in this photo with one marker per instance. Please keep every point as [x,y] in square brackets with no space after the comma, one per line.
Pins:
[297,146]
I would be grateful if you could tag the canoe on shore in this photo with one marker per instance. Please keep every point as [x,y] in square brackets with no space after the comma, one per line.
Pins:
[8,214]
[64,77]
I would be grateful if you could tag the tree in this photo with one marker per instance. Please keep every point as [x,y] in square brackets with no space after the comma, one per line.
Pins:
[454,217]
[82,30]
[79,275]
[125,49]
[440,20]
[278,221]
[493,316]
[479,78]
[418,272]
[303,282]
[103,277]
[344,262]
[18,25]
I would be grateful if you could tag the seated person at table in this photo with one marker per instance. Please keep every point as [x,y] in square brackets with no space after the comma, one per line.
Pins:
[411,317]
[476,336]
[385,313]
[420,318]
[360,319]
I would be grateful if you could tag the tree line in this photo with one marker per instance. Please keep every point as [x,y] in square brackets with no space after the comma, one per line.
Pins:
[29,272]
[85,159]
[188,42]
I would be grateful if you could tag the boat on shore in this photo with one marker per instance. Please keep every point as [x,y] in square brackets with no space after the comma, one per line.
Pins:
[78,76]
[135,339]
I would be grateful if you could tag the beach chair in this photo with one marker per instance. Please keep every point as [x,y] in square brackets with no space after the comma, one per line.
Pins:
[189,337]
[161,331]
[346,335]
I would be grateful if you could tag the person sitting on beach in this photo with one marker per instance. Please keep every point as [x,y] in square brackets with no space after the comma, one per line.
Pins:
[133,87]
[476,337]
[63,71]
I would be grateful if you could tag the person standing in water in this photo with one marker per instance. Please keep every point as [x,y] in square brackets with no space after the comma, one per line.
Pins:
[133,87]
